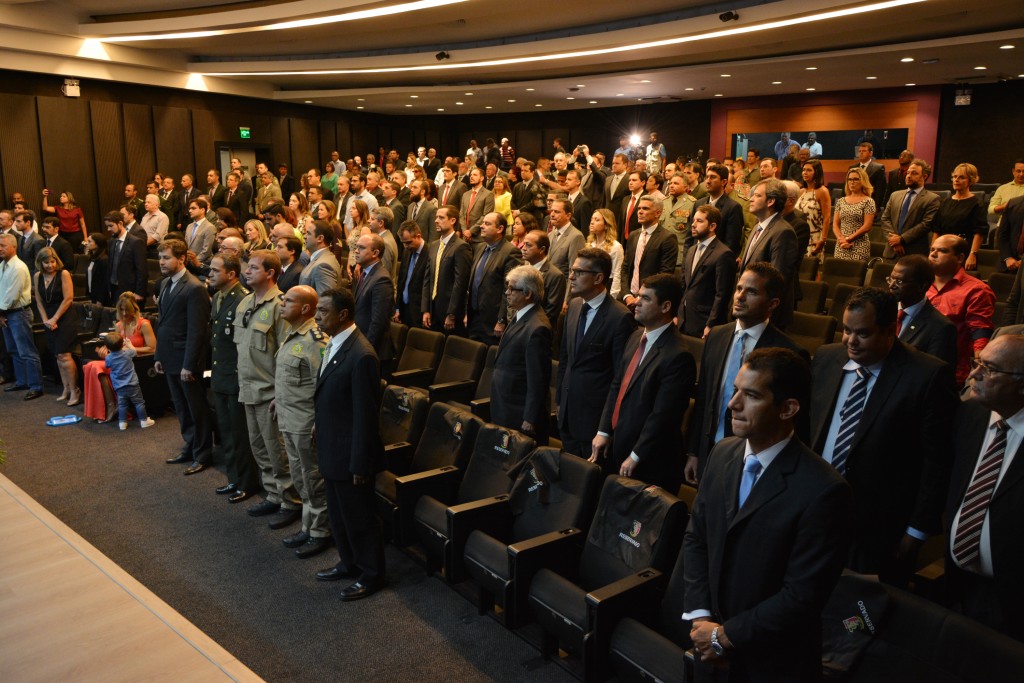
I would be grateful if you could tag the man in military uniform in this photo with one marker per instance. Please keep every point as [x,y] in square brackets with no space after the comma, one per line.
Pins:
[298,366]
[243,478]
[676,211]
[259,331]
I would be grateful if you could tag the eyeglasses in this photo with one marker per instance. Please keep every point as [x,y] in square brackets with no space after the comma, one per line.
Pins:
[510,288]
[895,281]
[987,370]
[576,272]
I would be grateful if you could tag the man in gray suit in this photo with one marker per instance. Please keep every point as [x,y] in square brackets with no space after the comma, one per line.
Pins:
[910,213]
[773,240]
[476,203]
[200,234]
[323,272]
[566,240]
[422,211]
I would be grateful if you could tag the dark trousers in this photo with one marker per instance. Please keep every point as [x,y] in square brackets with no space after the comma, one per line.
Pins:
[234,438]
[355,528]
[193,416]
[582,449]
[477,330]
[410,315]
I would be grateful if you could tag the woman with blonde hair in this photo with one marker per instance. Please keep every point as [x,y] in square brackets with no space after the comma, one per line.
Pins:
[963,214]
[604,235]
[854,216]
[256,236]
[100,399]
[360,213]
[502,198]
[54,294]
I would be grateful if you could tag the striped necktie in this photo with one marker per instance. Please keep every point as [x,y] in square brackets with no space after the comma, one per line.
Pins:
[967,540]
[849,418]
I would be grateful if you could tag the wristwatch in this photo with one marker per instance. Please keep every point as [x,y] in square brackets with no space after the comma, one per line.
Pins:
[716,646]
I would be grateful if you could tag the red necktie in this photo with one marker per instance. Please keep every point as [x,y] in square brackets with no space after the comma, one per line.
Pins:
[444,200]
[900,317]
[629,214]
[472,198]
[628,377]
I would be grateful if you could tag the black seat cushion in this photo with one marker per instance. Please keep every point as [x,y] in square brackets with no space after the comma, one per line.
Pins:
[639,654]
[560,607]
[487,562]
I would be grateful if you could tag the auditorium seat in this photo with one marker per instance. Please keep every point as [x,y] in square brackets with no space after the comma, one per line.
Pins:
[696,348]
[840,295]
[419,358]
[458,370]
[814,295]
[444,448]
[811,331]
[809,268]
[399,333]
[495,452]
[403,413]
[988,263]
[877,249]
[836,271]
[578,594]
[879,272]
[1001,284]
[480,405]
[553,491]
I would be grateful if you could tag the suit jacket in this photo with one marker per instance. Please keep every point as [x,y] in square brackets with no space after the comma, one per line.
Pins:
[765,571]
[876,174]
[223,351]
[397,208]
[586,370]
[523,196]
[425,216]
[651,414]
[1009,231]
[182,337]
[218,197]
[707,407]
[470,218]
[454,195]
[132,269]
[136,230]
[288,186]
[322,274]
[730,230]
[1005,512]
[290,277]
[613,202]
[582,210]
[264,194]
[521,383]
[171,206]
[489,305]
[1014,314]
[778,246]
[707,289]
[239,203]
[899,460]
[895,180]
[931,332]
[633,223]
[202,241]
[920,218]
[375,300]
[185,197]
[452,282]
[348,439]
[65,252]
[660,256]
[431,167]
[28,247]
[411,313]
[564,249]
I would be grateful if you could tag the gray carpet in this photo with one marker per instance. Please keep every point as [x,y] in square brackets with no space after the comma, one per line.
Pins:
[229,574]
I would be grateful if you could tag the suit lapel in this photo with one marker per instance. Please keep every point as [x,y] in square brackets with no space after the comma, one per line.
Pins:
[336,360]
[770,485]
[829,381]
[597,324]
[1014,474]
[514,330]
[888,380]
[652,354]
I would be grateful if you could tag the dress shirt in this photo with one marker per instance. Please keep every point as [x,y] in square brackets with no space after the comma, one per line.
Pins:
[970,305]
[908,315]
[175,279]
[616,179]
[522,311]
[335,344]
[1014,436]
[595,304]
[702,247]
[15,285]
[155,225]
[753,336]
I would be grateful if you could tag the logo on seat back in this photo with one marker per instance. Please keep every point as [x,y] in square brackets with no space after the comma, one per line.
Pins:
[537,483]
[457,430]
[861,623]
[403,402]
[503,448]
[631,538]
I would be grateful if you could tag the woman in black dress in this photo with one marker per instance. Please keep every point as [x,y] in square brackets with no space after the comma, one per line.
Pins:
[963,214]
[55,293]
[98,276]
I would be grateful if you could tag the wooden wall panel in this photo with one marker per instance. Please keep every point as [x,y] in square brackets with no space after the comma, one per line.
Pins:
[108,148]
[19,149]
[66,143]
[364,139]
[343,131]
[304,145]
[529,143]
[174,144]
[280,138]
[403,141]
[328,143]
[207,127]
[550,134]
[140,152]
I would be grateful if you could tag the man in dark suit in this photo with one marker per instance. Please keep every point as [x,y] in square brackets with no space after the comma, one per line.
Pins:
[918,323]
[650,250]
[389,196]
[410,275]
[1014,314]
[985,505]
[536,245]
[709,272]
[582,207]
[521,384]
[215,190]
[30,241]
[349,448]
[529,196]
[897,178]
[170,202]
[494,259]
[628,216]
[51,234]
[451,190]
[616,185]
[758,293]
[1009,235]
[596,330]
[875,171]
[730,230]
[909,215]
[768,534]
[375,297]
[127,259]
[446,281]
[286,181]
[422,211]
[773,240]
[289,250]
[239,197]
[881,414]
[640,432]
[431,165]
[186,196]
[181,347]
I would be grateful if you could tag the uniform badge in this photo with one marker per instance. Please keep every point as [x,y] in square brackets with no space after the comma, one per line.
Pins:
[297,350]
[264,315]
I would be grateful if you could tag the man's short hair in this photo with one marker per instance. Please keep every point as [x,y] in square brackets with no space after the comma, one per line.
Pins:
[113,217]
[712,213]
[755,151]
[530,279]
[176,247]
[323,229]
[386,215]
[926,168]
[774,283]
[774,189]
[882,300]
[959,245]
[599,259]
[292,244]
[501,221]
[270,259]
[721,170]
[341,299]
[215,172]
[411,227]
[230,262]
[666,288]
[867,144]
[641,174]
[376,243]
[917,270]
[566,204]
[528,164]
[789,375]
[26,216]
[201,203]
[542,239]
[9,238]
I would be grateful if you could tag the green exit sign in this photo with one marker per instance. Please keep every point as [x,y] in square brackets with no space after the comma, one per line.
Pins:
[244,132]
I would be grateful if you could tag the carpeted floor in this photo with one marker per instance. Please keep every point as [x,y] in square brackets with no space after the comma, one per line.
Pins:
[229,574]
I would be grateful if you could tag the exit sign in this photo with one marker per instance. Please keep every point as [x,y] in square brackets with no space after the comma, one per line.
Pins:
[244,132]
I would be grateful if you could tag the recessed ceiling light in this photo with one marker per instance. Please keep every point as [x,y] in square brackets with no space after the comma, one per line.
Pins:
[570,98]
[980,68]
[360,107]
[810,89]
[362,99]
[538,105]
[580,85]
[645,81]
[511,100]
[593,101]
[415,97]
[309,101]
[530,89]
[408,105]
[718,94]
[488,107]
[907,59]
[911,85]
[871,78]
[933,60]
[811,68]
[688,88]
[726,75]
[469,94]
[440,108]
[459,103]
[776,82]
[620,94]
[1007,47]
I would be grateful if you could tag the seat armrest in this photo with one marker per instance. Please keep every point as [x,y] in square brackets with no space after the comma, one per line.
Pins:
[407,378]
[634,595]
[489,515]
[398,457]
[481,407]
[558,551]
[460,391]
[442,484]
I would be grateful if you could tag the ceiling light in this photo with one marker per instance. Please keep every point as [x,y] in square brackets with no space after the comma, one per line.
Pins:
[907,59]
[361,99]
[408,105]
[810,68]
[688,89]
[593,101]
[530,89]
[871,78]
[488,107]
[980,68]
[538,105]
[621,94]
[580,85]
[309,101]
[911,85]
[645,81]
[360,107]
[469,94]
[726,75]
[440,108]
[776,82]
[570,98]
[511,100]
[1007,47]
[810,89]
[280,26]
[718,94]
[629,47]
[459,103]
[415,97]
[933,60]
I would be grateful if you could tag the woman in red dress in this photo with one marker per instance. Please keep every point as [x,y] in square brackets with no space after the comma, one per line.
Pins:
[72,221]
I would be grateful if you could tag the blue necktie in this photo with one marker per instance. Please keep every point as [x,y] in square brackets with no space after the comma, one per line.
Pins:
[905,209]
[478,277]
[849,418]
[408,276]
[582,329]
[735,361]
[751,468]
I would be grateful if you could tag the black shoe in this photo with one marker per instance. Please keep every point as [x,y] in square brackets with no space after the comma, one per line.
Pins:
[180,460]
[314,546]
[284,517]
[263,509]
[35,393]
[195,468]
[226,488]
[336,573]
[15,387]
[238,496]
[360,590]
[295,540]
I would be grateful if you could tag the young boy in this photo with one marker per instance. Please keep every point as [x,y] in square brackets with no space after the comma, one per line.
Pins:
[117,353]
